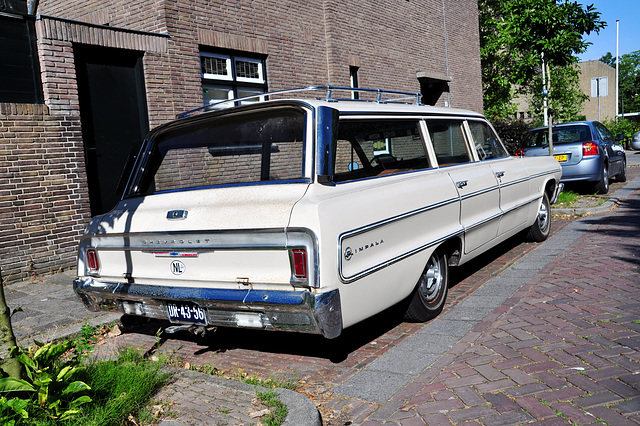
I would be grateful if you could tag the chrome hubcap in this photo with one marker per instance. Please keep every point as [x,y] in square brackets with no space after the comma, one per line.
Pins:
[543,216]
[431,279]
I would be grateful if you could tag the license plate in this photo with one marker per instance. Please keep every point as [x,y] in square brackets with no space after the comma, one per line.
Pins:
[186,312]
[561,158]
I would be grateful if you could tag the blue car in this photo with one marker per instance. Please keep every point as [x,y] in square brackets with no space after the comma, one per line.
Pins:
[635,141]
[586,150]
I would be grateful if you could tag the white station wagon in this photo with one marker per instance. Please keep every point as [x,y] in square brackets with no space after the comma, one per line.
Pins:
[309,215]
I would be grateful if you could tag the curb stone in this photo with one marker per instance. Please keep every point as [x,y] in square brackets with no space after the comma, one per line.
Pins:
[613,201]
[300,410]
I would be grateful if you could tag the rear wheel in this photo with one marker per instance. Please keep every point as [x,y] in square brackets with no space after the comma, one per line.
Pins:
[431,292]
[622,176]
[539,231]
[602,187]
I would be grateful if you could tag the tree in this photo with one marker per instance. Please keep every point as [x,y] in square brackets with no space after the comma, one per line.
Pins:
[629,77]
[10,365]
[567,96]
[514,36]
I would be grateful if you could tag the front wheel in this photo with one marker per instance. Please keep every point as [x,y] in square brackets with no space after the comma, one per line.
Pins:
[431,291]
[539,231]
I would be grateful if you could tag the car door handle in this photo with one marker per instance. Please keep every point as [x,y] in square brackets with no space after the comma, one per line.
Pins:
[499,174]
[461,184]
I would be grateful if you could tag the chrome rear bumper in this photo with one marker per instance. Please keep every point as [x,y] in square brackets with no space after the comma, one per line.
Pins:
[300,311]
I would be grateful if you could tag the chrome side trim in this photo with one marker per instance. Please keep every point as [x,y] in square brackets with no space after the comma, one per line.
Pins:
[379,224]
[369,271]
[199,242]
[300,311]
[375,225]
[514,182]
[542,174]
[484,191]
[396,259]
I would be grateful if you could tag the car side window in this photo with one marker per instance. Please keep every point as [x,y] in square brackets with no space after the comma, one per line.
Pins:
[367,148]
[486,142]
[604,133]
[449,143]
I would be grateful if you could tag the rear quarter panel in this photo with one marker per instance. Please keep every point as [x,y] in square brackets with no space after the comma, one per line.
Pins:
[542,172]
[375,235]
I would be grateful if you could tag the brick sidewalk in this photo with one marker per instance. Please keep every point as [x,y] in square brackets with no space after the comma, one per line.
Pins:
[563,350]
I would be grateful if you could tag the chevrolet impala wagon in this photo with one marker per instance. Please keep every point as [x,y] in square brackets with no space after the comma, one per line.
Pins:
[309,214]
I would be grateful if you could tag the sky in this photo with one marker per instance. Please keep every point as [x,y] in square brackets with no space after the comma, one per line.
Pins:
[628,12]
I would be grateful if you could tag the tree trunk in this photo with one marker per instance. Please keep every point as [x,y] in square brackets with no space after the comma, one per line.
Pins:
[11,366]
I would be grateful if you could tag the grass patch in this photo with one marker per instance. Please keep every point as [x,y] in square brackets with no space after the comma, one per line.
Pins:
[120,390]
[278,410]
[241,376]
[121,387]
[568,197]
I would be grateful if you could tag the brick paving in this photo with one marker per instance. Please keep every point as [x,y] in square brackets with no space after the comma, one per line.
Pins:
[566,352]
[562,349]
[319,364]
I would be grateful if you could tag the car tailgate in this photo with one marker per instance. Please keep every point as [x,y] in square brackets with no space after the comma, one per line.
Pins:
[227,237]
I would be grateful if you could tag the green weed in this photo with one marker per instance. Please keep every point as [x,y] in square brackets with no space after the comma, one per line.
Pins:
[568,197]
[278,412]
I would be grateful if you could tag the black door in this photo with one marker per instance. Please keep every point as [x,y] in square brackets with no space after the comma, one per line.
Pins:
[113,115]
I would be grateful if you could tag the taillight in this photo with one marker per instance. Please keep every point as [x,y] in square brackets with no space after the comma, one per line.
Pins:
[589,148]
[299,261]
[519,152]
[92,261]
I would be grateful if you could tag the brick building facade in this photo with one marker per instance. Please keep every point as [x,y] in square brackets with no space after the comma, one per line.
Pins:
[44,150]
[601,104]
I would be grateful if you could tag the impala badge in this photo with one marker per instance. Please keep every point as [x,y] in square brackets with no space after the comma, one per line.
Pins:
[177,214]
[177,267]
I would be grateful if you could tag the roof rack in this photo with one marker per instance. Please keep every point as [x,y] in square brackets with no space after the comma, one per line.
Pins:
[406,98]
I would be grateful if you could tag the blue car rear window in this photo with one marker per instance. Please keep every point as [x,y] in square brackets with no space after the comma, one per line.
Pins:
[565,134]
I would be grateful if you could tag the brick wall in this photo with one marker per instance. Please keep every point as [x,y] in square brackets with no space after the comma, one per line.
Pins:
[305,42]
[43,197]
[44,205]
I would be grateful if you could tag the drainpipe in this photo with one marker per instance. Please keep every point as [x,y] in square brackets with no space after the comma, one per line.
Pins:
[32,7]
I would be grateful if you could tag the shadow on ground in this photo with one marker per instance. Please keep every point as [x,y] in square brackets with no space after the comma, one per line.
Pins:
[335,350]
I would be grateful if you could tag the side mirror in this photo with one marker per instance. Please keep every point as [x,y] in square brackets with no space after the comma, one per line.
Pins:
[620,137]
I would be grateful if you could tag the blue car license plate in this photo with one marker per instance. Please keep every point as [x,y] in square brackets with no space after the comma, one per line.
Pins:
[186,312]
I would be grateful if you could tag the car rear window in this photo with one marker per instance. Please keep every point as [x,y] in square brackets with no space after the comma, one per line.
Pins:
[236,149]
[565,134]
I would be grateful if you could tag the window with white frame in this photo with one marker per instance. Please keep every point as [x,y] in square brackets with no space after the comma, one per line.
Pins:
[228,76]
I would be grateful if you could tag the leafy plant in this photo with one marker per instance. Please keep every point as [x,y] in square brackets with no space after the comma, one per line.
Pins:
[85,341]
[512,133]
[49,380]
[12,410]
[623,127]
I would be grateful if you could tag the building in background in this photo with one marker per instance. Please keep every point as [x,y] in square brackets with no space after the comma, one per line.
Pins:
[109,70]
[598,81]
